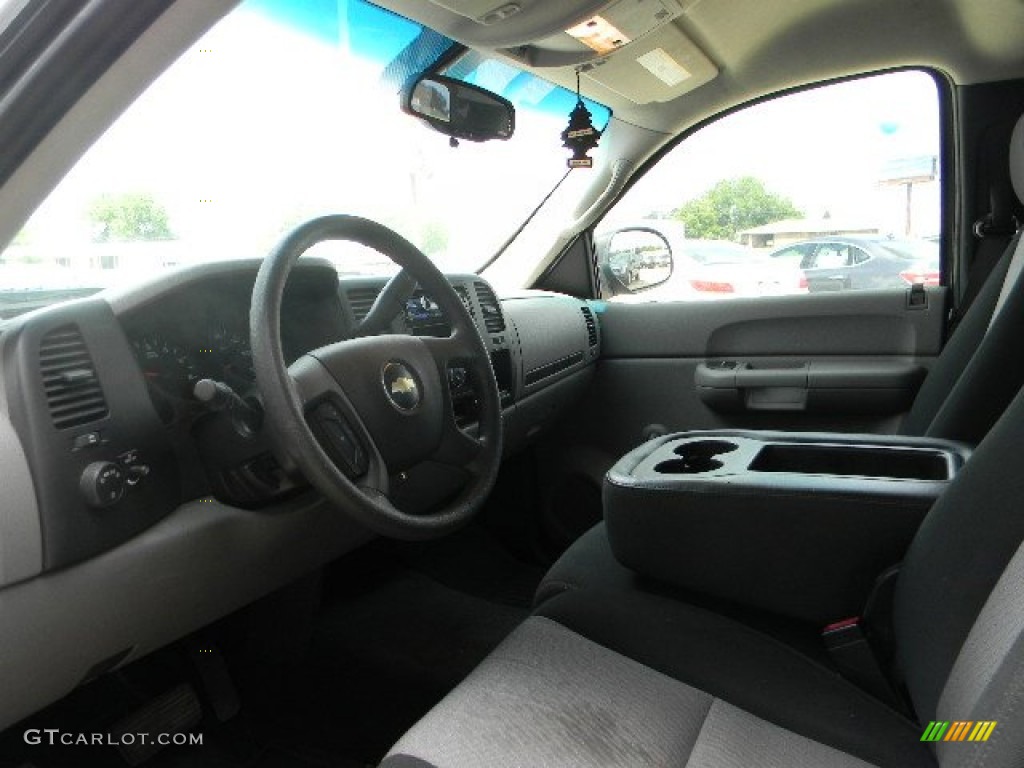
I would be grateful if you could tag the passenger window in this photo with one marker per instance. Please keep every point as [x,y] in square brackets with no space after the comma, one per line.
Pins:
[831,256]
[763,202]
[799,256]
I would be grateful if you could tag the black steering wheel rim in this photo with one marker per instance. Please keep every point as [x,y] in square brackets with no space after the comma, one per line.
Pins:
[287,391]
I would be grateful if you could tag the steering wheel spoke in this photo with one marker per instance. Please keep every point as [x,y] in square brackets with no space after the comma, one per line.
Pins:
[337,426]
[459,449]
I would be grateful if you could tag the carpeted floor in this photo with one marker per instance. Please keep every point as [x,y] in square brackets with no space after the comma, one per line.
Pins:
[377,662]
[399,626]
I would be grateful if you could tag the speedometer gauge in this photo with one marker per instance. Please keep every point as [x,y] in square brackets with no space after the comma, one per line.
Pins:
[233,358]
[166,365]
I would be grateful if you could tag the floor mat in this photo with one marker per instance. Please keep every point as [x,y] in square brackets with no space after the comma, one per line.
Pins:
[379,660]
[474,562]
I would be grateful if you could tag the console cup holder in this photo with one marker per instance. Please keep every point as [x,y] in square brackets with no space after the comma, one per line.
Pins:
[695,457]
[704,449]
[689,466]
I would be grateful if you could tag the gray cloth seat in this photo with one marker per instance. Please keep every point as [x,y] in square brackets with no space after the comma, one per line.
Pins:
[980,369]
[619,673]
[970,384]
[603,677]
[548,696]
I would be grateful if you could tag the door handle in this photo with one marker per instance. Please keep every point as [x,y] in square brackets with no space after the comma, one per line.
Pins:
[862,386]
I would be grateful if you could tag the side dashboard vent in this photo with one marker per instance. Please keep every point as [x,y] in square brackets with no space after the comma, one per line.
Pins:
[73,392]
[361,300]
[588,317]
[463,292]
[491,308]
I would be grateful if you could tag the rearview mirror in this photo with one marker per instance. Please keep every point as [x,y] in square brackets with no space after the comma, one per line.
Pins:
[460,110]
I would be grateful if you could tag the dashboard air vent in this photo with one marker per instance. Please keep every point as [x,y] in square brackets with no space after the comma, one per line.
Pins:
[464,295]
[491,308]
[588,316]
[360,300]
[73,391]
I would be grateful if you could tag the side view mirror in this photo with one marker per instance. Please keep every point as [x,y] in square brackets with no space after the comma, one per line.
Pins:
[460,110]
[633,260]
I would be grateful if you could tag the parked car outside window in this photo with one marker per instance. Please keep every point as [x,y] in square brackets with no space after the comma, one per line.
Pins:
[858,263]
[653,260]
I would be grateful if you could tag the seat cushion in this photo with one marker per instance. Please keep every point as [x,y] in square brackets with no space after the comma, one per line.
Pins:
[550,697]
[773,669]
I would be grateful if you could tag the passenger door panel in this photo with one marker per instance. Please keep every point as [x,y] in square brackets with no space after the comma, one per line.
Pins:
[844,345]
[857,358]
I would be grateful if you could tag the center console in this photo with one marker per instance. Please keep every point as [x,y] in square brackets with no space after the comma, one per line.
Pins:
[797,524]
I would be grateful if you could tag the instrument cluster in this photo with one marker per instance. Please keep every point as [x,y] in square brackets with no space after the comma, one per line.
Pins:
[173,364]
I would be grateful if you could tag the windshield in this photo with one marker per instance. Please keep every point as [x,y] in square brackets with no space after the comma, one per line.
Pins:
[284,111]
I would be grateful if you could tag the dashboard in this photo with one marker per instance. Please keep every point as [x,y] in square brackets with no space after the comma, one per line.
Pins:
[133,508]
[117,434]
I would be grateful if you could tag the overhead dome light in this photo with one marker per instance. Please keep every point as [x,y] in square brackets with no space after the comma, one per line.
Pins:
[599,35]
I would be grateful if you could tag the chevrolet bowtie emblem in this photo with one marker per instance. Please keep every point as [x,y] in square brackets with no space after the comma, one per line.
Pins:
[401,386]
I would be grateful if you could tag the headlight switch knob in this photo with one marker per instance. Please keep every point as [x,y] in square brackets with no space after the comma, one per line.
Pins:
[103,484]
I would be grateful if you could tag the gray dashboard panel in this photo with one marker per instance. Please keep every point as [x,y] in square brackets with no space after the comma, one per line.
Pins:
[549,330]
[21,535]
[196,565]
[553,339]
[21,547]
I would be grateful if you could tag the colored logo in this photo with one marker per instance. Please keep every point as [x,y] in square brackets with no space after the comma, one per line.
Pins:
[958,730]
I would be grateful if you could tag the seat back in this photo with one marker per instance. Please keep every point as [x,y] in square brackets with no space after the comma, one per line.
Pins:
[953,565]
[938,393]
[959,604]
[995,371]
[976,375]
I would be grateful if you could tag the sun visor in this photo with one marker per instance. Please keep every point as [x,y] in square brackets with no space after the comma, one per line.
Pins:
[659,67]
[632,47]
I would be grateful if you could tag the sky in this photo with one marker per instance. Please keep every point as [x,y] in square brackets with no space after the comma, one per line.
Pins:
[260,126]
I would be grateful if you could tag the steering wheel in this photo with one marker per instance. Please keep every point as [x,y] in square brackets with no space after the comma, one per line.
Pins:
[352,414]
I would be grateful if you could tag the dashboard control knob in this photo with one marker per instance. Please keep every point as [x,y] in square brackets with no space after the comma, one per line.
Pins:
[102,483]
[136,473]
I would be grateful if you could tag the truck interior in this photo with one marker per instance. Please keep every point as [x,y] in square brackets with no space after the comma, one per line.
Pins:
[360,404]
